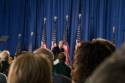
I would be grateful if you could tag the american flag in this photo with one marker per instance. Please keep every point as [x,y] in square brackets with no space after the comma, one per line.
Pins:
[66,50]
[43,42]
[54,28]
[66,29]
[78,32]
[65,38]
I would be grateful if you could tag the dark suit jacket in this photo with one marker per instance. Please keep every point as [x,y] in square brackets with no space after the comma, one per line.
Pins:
[61,79]
[62,69]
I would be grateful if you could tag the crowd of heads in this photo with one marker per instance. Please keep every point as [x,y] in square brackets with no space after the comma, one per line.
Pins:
[95,61]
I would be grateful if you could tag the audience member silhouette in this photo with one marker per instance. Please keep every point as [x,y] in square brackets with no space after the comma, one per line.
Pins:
[61,43]
[29,68]
[87,57]
[4,55]
[61,67]
[112,70]
[3,77]
[56,51]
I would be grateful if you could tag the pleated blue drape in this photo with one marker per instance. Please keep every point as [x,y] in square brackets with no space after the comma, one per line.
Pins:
[25,17]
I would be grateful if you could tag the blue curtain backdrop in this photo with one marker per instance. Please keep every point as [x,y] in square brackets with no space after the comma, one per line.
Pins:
[22,21]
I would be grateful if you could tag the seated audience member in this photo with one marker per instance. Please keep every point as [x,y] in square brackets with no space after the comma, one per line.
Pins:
[3,78]
[4,55]
[61,67]
[10,60]
[108,43]
[29,68]
[61,43]
[64,47]
[48,53]
[112,70]
[87,57]
[55,51]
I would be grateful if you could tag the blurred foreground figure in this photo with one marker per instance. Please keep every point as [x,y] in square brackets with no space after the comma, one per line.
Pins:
[29,68]
[4,56]
[111,70]
[87,57]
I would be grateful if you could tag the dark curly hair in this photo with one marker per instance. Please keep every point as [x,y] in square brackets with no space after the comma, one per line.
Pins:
[89,55]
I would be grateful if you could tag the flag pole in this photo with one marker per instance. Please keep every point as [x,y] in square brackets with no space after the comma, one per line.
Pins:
[113,34]
[19,44]
[30,43]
